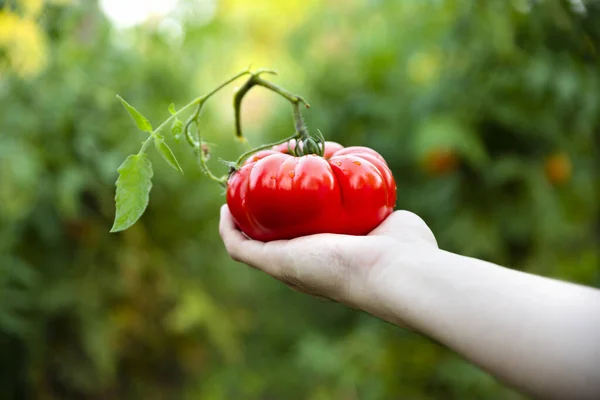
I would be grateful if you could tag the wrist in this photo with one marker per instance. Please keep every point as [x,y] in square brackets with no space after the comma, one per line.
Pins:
[396,289]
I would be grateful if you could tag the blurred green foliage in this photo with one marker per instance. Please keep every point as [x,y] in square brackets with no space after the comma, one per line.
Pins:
[488,113]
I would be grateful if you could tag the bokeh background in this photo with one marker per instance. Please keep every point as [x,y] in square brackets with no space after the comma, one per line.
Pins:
[487,112]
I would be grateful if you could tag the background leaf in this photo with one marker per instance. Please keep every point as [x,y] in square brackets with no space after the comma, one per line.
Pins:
[133,189]
[142,123]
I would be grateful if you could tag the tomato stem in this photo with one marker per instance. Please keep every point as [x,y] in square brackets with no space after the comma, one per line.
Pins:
[305,142]
[194,139]
[202,159]
[296,100]
[247,154]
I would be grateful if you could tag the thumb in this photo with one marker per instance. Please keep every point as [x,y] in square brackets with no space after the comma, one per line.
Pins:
[405,225]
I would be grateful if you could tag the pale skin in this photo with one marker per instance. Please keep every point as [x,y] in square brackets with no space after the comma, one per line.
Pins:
[538,335]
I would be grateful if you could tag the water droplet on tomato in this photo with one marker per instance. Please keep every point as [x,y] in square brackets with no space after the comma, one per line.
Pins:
[356,162]
[291,174]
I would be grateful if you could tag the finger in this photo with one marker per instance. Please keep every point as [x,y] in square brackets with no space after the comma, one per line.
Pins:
[267,257]
[402,223]
[239,247]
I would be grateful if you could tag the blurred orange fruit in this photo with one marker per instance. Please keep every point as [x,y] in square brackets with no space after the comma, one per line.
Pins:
[558,168]
[440,161]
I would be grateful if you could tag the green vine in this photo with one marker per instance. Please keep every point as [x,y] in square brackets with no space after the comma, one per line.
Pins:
[136,172]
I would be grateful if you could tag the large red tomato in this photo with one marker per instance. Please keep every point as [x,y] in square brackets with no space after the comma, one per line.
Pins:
[279,196]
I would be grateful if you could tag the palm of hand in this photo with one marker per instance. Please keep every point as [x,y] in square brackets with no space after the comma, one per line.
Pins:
[338,267]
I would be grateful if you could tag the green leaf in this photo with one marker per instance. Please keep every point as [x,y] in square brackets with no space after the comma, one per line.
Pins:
[133,190]
[177,129]
[142,123]
[166,153]
[172,109]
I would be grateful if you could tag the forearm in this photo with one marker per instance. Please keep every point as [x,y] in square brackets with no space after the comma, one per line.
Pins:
[538,334]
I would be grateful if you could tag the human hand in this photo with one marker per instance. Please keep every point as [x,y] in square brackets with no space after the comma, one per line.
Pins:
[343,268]
[536,334]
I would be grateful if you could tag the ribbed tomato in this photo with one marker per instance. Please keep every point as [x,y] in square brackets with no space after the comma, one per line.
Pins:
[275,195]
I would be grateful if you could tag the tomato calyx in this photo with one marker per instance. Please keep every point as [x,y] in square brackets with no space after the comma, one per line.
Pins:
[309,145]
